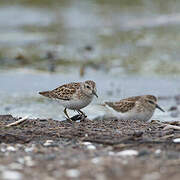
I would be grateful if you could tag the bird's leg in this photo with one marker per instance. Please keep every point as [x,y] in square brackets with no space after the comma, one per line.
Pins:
[67,116]
[65,112]
[81,113]
[71,119]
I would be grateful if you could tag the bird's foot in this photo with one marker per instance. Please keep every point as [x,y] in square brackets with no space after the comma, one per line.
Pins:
[78,117]
[83,117]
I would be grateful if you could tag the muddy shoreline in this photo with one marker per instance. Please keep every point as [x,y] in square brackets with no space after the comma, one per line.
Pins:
[98,149]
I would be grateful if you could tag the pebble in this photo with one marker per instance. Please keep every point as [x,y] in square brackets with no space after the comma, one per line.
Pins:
[3,149]
[127,153]
[96,160]
[11,149]
[30,149]
[177,140]
[86,143]
[48,143]
[72,173]
[11,175]
[91,147]
[158,151]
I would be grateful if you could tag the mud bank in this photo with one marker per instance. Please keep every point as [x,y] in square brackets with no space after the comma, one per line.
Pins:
[98,149]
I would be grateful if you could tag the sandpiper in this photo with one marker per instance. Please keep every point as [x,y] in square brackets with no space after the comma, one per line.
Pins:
[74,96]
[137,107]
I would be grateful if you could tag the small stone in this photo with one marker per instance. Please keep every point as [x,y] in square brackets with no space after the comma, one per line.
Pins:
[86,143]
[3,149]
[127,153]
[96,160]
[91,147]
[11,175]
[177,140]
[72,173]
[158,151]
[30,149]
[11,149]
[48,143]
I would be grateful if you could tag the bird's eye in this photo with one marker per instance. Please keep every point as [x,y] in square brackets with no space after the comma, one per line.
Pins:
[151,102]
[88,87]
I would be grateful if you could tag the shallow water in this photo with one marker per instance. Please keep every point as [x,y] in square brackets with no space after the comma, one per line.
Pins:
[19,93]
[138,36]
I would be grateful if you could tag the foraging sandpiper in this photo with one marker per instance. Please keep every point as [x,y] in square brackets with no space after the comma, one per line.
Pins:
[137,107]
[74,96]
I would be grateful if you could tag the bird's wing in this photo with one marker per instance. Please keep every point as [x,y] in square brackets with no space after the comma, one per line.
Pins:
[64,92]
[121,106]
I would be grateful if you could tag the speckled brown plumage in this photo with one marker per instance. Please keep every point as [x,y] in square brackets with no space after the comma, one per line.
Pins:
[127,104]
[91,83]
[136,107]
[121,106]
[64,92]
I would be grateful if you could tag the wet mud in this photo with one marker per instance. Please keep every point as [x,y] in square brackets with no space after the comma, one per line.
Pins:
[91,149]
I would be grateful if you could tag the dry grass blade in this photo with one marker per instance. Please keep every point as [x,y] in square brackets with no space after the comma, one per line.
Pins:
[168,126]
[17,122]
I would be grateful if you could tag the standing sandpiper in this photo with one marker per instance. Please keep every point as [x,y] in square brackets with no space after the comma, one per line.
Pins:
[137,107]
[74,96]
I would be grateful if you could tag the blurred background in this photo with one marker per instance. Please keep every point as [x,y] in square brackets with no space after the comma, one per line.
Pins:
[127,47]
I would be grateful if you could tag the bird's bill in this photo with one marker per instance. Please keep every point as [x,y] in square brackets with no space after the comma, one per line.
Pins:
[95,93]
[157,106]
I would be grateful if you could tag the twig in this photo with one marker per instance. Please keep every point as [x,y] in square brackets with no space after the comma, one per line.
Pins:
[17,122]
[168,126]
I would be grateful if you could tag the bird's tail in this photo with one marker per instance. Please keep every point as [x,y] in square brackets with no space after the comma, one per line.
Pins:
[45,93]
